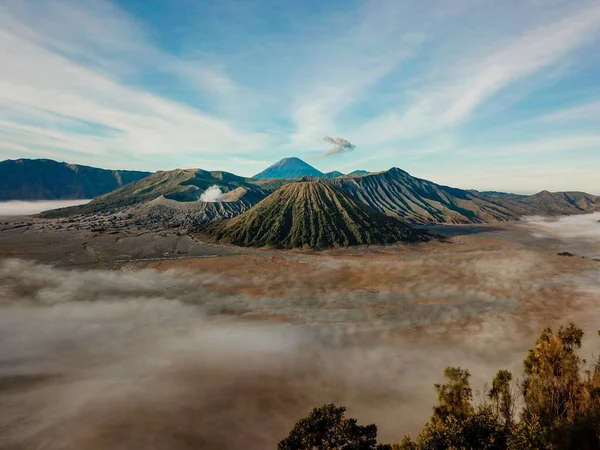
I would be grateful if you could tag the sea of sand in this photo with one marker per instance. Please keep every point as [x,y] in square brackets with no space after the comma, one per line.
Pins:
[136,339]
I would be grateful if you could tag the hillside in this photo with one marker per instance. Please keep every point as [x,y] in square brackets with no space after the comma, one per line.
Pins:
[397,193]
[315,215]
[44,179]
[289,168]
[180,185]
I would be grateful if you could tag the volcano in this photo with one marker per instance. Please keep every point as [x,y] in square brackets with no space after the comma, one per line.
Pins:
[310,214]
[289,168]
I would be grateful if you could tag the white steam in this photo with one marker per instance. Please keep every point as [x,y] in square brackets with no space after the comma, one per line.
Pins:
[212,194]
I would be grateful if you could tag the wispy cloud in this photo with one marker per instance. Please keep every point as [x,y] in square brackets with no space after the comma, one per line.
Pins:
[343,69]
[453,99]
[47,74]
[584,112]
[549,145]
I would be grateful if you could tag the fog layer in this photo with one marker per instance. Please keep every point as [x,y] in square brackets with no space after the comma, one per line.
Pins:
[23,208]
[191,359]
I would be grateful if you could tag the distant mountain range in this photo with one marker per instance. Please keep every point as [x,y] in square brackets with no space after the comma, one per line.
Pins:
[170,199]
[44,179]
[290,168]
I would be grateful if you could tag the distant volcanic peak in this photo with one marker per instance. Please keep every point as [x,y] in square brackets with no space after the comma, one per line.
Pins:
[310,214]
[289,168]
[291,159]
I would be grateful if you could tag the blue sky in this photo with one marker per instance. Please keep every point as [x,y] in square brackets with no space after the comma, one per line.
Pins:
[480,94]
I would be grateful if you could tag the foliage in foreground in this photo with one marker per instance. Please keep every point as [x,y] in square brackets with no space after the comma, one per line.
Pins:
[326,428]
[558,400]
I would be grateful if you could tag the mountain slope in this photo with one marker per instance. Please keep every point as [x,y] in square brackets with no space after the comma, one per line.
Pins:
[44,179]
[180,185]
[289,168]
[393,192]
[306,214]
[396,193]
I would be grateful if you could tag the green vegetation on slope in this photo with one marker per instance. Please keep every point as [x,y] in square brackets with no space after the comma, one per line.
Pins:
[310,214]
[147,189]
[560,409]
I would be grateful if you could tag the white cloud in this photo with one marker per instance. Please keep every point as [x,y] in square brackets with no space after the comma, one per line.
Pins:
[373,42]
[448,101]
[40,78]
[584,112]
[83,81]
[544,146]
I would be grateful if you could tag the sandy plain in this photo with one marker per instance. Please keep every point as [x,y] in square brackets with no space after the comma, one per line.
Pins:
[132,339]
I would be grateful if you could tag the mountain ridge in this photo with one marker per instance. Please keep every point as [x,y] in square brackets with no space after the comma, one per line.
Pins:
[46,179]
[393,192]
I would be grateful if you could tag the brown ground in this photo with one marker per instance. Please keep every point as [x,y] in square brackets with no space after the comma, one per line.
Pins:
[224,348]
[540,281]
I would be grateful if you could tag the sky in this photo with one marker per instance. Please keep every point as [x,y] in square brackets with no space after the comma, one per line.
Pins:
[476,94]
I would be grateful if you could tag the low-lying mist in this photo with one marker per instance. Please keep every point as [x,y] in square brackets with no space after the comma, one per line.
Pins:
[583,226]
[23,208]
[174,359]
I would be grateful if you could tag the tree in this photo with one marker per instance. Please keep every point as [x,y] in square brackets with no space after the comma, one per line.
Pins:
[561,409]
[502,397]
[552,384]
[325,428]
[454,397]
[556,394]
[455,423]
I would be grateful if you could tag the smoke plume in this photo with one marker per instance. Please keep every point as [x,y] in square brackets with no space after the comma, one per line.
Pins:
[339,145]
[212,194]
